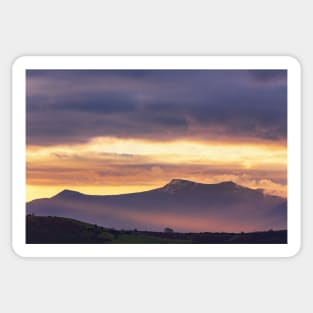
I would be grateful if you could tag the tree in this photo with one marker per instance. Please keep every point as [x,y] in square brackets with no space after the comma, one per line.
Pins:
[168,230]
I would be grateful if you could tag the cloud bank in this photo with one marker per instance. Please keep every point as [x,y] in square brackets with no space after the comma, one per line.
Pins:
[72,106]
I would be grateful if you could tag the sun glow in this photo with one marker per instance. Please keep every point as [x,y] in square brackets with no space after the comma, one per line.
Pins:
[248,155]
[107,165]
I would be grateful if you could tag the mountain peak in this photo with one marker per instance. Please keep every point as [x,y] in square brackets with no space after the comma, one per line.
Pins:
[66,194]
[175,181]
[178,184]
[229,183]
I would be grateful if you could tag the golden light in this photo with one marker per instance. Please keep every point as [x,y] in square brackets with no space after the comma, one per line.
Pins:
[53,168]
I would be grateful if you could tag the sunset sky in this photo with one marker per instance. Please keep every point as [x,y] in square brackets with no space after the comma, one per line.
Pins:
[121,131]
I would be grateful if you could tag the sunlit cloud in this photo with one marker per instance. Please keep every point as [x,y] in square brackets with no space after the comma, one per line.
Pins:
[113,132]
[134,151]
[114,166]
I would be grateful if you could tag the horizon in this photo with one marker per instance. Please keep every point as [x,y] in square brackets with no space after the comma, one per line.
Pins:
[108,132]
[159,187]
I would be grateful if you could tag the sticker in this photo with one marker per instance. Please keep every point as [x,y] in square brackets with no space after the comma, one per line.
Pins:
[156,156]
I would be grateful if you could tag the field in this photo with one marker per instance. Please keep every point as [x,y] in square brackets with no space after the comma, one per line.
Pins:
[59,230]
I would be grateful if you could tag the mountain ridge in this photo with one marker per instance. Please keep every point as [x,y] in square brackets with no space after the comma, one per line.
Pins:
[177,182]
[180,204]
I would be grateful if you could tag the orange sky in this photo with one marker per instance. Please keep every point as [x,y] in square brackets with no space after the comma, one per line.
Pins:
[121,131]
[108,165]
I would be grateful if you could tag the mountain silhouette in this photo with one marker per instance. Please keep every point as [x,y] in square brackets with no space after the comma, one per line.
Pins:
[181,204]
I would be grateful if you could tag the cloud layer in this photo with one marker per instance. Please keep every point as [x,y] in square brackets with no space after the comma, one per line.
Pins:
[72,106]
[109,132]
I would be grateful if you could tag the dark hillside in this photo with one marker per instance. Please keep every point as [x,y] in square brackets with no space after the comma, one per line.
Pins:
[47,229]
[60,230]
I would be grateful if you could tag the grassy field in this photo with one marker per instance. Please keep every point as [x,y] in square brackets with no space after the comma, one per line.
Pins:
[60,230]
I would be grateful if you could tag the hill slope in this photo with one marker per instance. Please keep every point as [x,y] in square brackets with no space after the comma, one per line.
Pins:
[183,205]
[59,230]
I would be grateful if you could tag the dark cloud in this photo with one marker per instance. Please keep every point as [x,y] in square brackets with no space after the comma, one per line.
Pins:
[70,106]
[269,76]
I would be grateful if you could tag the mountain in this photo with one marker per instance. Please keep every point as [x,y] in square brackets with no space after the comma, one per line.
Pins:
[181,204]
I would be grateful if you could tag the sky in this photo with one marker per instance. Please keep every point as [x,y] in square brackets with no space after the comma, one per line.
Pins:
[120,131]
